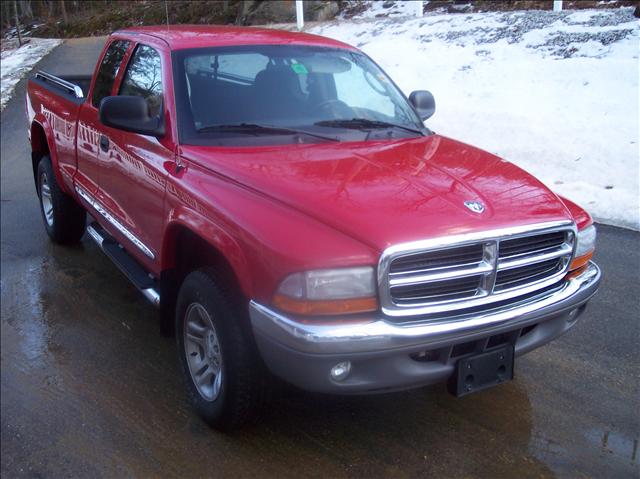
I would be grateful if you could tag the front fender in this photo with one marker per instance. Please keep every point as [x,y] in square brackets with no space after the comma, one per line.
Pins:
[181,218]
[580,216]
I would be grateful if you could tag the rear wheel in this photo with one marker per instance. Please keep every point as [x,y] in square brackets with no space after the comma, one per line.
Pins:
[64,219]
[221,369]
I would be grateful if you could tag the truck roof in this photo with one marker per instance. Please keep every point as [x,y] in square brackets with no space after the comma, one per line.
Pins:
[198,36]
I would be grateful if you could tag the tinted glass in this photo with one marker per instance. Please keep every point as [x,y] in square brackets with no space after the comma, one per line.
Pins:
[108,70]
[242,67]
[295,87]
[144,78]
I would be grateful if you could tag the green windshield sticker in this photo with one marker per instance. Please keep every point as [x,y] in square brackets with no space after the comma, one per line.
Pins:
[299,68]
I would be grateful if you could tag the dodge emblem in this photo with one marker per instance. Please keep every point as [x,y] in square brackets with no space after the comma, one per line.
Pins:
[474,206]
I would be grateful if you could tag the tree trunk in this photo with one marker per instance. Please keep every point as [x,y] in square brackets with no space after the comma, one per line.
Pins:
[25,9]
[15,7]
[6,14]
[65,19]
[52,6]
[243,9]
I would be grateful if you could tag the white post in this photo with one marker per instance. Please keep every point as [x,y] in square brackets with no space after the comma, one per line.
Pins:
[299,14]
[418,4]
[557,5]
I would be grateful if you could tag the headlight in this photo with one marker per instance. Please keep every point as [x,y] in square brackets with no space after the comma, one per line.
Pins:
[328,291]
[586,240]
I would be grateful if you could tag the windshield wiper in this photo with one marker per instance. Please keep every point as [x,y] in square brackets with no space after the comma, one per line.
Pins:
[266,129]
[365,124]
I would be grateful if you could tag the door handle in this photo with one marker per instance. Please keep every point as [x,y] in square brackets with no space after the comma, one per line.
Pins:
[104,143]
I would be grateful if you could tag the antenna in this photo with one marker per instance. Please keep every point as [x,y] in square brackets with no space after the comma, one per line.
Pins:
[166,11]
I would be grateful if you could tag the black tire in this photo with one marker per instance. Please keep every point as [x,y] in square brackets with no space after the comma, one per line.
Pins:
[64,219]
[241,391]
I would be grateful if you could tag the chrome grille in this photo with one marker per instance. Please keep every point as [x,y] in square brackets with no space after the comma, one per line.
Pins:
[446,289]
[438,259]
[513,278]
[467,271]
[531,244]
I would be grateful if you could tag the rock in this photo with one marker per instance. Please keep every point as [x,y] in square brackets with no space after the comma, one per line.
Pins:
[280,11]
[320,11]
[457,8]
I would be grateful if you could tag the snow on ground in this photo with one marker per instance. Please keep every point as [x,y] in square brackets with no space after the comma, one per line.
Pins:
[554,92]
[390,9]
[15,63]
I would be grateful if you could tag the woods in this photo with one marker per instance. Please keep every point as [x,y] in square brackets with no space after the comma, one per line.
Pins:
[73,18]
[78,18]
[66,18]
[28,9]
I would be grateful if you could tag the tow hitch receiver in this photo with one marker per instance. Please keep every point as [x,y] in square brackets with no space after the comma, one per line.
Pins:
[482,371]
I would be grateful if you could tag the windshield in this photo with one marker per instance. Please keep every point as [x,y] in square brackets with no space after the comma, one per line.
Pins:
[269,94]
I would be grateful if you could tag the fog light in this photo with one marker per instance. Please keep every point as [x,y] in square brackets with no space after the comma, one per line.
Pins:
[341,370]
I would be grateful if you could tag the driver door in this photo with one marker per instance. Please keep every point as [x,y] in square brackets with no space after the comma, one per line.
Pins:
[133,173]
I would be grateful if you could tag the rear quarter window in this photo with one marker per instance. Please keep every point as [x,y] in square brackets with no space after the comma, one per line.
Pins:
[108,70]
[241,67]
[144,78]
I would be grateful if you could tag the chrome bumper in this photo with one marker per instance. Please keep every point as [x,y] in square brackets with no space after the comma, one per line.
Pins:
[375,333]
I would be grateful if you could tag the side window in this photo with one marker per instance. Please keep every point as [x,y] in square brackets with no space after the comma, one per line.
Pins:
[238,68]
[144,78]
[243,67]
[108,71]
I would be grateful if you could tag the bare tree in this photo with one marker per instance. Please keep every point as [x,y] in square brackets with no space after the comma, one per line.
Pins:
[51,10]
[243,9]
[25,9]
[15,7]
[63,9]
[6,14]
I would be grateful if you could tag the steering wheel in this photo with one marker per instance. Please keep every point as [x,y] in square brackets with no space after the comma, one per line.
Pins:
[333,105]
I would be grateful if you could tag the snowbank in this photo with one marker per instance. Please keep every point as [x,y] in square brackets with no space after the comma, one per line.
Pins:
[14,64]
[556,93]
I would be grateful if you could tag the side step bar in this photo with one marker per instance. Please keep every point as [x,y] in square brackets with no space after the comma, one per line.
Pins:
[147,285]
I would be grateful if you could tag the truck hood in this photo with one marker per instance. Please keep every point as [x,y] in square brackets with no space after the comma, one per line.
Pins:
[384,193]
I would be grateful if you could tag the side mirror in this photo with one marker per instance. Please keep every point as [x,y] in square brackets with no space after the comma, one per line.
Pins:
[130,113]
[424,103]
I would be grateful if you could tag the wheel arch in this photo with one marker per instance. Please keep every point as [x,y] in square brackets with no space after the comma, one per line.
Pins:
[185,248]
[42,144]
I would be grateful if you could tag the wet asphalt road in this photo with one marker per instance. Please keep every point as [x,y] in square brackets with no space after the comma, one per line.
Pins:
[91,389]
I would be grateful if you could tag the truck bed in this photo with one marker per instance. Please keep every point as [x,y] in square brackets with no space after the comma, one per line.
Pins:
[73,87]
[54,102]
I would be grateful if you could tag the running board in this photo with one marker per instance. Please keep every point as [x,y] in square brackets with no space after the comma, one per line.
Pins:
[126,263]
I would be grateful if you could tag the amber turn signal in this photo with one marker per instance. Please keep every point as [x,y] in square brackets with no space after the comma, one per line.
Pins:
[575,273]
[581,261]
[325,307]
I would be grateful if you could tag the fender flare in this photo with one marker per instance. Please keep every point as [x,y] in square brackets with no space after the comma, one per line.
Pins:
[41,121]
[183,218]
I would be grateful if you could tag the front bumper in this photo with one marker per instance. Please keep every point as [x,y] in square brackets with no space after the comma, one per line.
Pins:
[390,356]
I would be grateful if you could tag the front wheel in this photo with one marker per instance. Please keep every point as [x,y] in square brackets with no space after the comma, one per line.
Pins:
[64,219]
[219,362]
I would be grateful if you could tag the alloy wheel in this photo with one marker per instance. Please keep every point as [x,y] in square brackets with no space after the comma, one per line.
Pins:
[203,353]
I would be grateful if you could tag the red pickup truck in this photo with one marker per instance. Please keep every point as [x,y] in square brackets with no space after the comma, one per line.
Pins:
[281,201]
